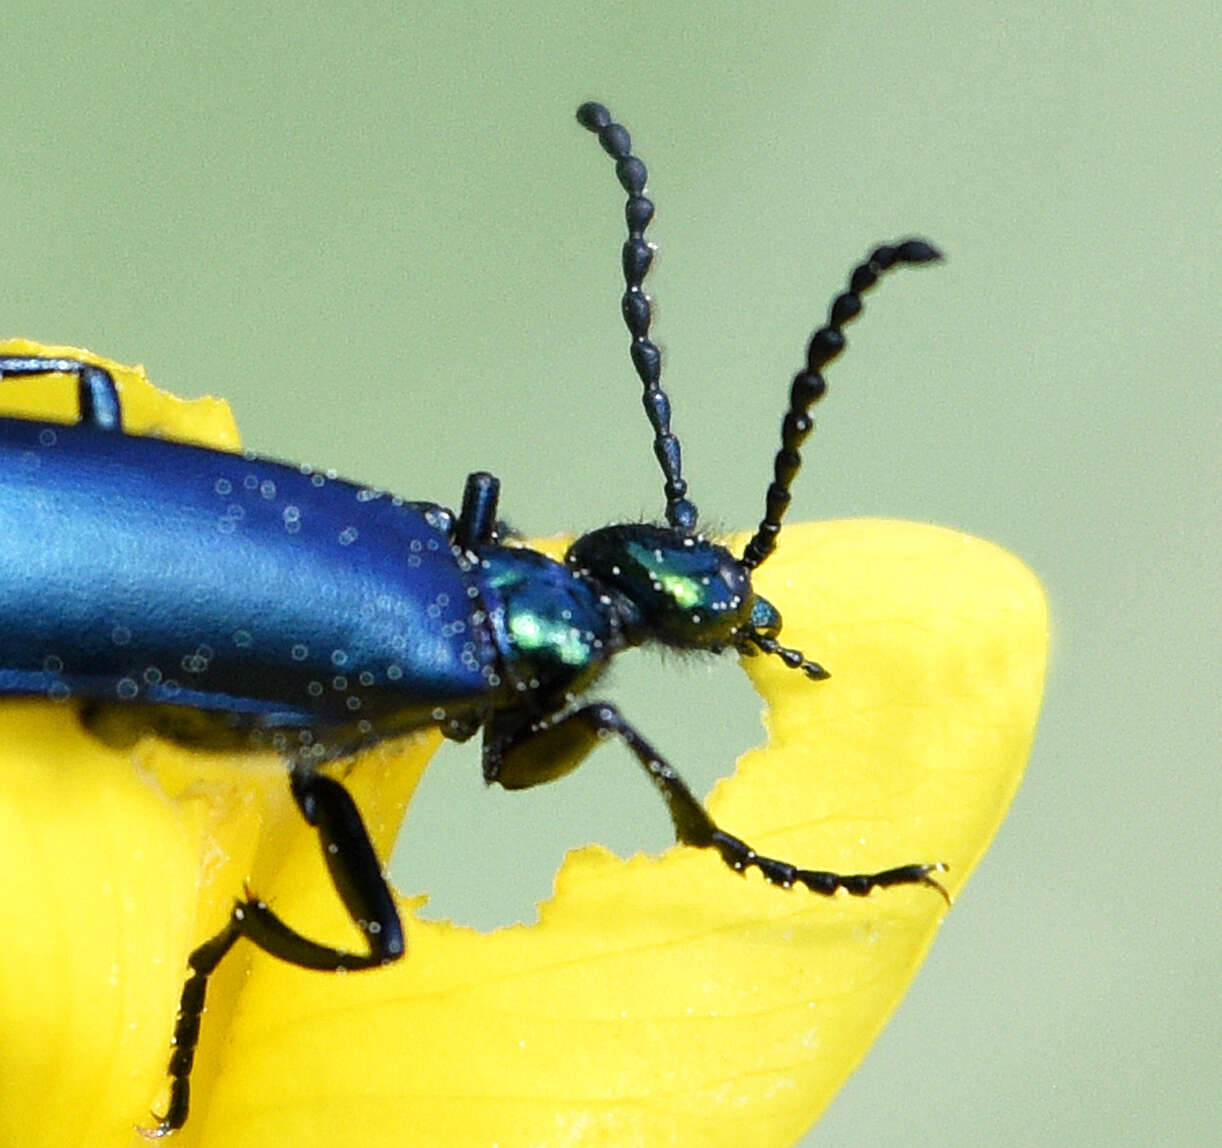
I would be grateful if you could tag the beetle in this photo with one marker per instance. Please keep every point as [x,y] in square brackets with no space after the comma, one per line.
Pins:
[224,599]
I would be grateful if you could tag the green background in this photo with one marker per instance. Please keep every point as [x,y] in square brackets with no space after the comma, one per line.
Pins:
[383,237]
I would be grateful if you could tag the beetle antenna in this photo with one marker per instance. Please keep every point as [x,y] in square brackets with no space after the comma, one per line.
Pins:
[808,385]
[646,358]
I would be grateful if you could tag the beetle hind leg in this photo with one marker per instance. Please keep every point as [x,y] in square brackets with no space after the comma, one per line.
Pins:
[202,963]
[357,876]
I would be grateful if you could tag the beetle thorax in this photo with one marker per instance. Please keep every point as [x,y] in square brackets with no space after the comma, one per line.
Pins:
[554,631]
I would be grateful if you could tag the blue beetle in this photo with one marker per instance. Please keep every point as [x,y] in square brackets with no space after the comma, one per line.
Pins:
[222,599]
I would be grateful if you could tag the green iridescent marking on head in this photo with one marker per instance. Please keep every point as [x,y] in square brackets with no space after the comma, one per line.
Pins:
[682,591]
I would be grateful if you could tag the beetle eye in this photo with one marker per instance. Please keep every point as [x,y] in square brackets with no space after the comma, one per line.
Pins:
[765,618]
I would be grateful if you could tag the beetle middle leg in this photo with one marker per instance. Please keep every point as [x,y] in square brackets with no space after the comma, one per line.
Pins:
[357,876]
[96,391]
[546,750]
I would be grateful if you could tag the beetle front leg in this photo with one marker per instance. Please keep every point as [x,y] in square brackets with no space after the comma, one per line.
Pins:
[357,876]
[544,751]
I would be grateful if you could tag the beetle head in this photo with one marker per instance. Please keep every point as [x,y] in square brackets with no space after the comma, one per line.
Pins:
[680,589]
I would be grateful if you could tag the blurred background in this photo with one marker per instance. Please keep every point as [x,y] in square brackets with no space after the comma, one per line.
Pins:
[384,238]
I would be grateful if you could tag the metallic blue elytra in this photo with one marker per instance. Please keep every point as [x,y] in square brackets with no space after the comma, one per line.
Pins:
[225,599]
[190,577]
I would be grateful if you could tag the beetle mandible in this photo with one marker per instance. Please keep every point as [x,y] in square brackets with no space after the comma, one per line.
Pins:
[430,618]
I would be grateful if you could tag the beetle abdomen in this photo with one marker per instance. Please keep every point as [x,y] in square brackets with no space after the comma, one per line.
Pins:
[170,574]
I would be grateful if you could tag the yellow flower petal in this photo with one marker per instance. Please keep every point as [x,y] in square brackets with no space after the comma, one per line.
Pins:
[657,1001]
[146,410]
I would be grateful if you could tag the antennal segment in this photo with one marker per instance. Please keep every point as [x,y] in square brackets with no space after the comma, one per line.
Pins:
[646,358]
[808,385]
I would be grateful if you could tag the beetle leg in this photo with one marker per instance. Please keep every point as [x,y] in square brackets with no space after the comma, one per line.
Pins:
[477,525]
[357,876]
[522,755]
[96,391]
[202,963]
[356,873]
[544,751]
